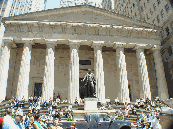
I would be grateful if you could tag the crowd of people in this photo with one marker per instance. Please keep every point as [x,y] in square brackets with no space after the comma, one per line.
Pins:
[30,121]
[149,118]
[50,119]
[15,117]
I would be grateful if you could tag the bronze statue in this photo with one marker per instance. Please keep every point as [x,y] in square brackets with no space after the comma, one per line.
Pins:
[90,83]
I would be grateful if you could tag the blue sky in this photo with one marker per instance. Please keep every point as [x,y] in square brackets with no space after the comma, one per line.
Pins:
[51,4]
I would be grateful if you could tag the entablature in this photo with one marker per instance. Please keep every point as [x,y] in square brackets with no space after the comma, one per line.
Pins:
[81,28]
[80,42]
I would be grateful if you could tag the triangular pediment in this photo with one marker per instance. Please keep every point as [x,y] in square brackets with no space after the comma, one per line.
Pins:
[81,14]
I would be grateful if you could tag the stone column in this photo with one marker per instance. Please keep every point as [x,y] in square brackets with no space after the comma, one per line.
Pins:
[4,66]
[74,71]
[143,72]
[160,74]
[48,80]
[122,82]
[23,82]
[98,71]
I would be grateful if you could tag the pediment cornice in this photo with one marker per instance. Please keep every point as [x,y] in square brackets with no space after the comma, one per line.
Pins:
[109,16]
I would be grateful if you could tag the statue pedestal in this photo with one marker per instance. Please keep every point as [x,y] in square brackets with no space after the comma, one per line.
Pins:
[90,104]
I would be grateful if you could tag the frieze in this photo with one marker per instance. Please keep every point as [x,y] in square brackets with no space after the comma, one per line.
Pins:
[29,28]
[101,30]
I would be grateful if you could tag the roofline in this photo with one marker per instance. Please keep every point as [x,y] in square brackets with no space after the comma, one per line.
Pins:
[79,6]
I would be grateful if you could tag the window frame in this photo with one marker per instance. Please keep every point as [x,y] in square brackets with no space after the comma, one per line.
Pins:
[162,13]
[154,5]
[158,1]
[167,7]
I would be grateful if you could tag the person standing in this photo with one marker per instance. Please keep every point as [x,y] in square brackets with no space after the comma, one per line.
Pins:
[37,124]
[59,97]
[8,121]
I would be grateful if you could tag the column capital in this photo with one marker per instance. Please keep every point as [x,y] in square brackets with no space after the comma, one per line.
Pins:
[156,47]
[74,43]
[8,39]
[28,40]
[51,43]
[140,46]
[50,40]
[119,45]
[97,44]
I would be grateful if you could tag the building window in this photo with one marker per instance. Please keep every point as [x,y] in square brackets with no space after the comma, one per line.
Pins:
[134,4]
[171,1]
[167,7]
[151,11]
[158,19]
[144,19]
[148,17]
[170,50]
[135,15]
[154,22]
[163,35]
[154,5]
[158,1]
[142,8]
[144,4]
[162,13]
[167,31]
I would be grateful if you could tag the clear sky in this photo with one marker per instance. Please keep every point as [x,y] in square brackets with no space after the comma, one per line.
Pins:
[51,4]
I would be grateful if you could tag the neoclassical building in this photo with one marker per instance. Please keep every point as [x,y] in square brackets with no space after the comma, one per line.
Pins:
[49,52]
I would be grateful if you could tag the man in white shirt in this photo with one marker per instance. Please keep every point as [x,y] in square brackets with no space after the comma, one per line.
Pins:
[9,122]
[116,101]
[155,124]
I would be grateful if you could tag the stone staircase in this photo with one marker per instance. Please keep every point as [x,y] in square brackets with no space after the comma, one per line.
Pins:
[132,117]
[168,102]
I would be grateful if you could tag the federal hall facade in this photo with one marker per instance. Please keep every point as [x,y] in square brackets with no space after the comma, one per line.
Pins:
[49,52]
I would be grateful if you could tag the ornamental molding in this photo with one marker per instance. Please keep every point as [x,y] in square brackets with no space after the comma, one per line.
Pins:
[119,45]
[93,44]
[140,46]
[79,29]
[37,23]
[156,47]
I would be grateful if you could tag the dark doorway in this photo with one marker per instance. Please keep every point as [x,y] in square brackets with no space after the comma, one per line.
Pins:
[38,89]
[82,89]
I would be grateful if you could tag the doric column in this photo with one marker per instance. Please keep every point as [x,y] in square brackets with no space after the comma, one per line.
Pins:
[48,80]
[160,74]
[74,71]
[98,71]
[143,72]
[4,66]
[123,91]
[23,82]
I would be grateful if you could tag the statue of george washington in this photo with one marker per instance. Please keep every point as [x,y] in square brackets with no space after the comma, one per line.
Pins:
[90,83]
